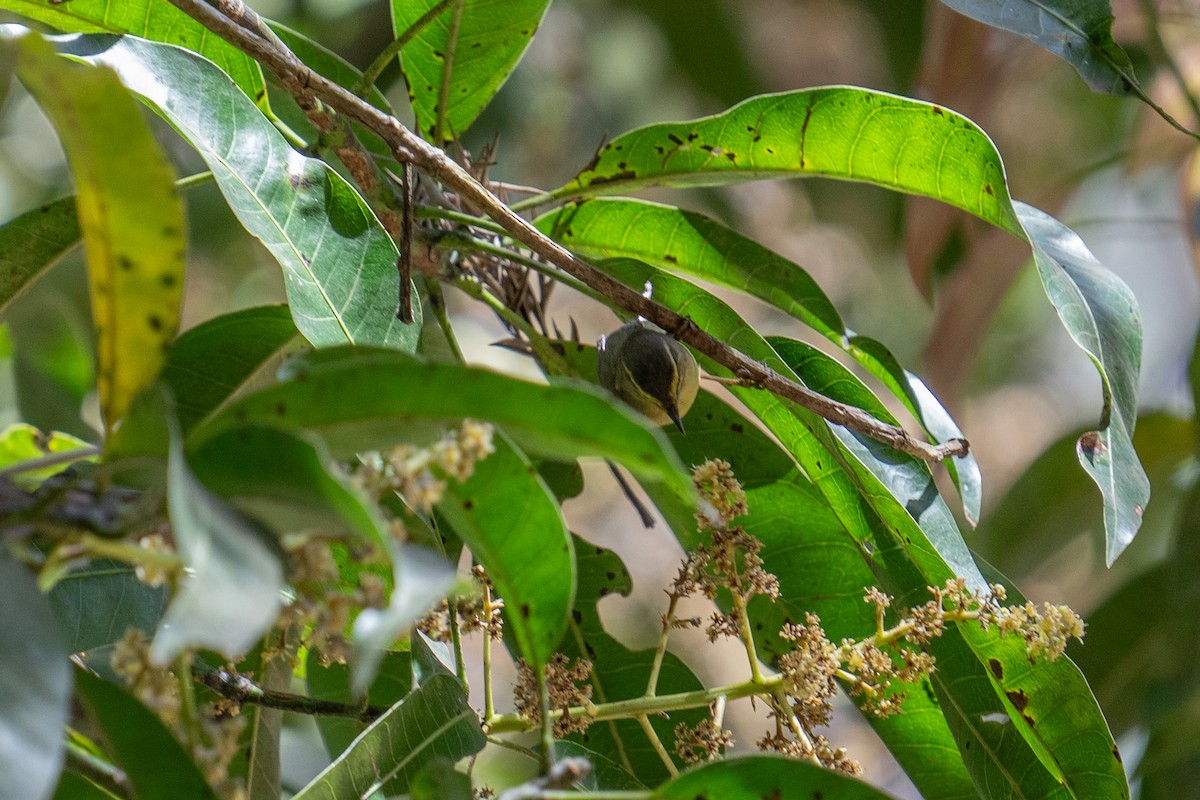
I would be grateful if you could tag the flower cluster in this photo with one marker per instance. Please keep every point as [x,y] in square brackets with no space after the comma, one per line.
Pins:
[477,611]
[418,473]
[566,686]
[705,741]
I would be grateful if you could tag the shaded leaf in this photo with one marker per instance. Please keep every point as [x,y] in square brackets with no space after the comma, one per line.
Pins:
[433,720]
[339,264]
[1077,31]
[1101,314]
[364,399]
[33,243]
[96,604]
[130,215]
[513,525]
[757,777]
[155,762]
[458,62]
[36,690]
[231,592]
[393,680]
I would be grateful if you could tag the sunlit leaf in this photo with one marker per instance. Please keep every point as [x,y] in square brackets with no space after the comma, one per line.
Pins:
[36,690]
[514,527]
[150,19]
[458,62]
[339,264]
[21,442]
[130,215]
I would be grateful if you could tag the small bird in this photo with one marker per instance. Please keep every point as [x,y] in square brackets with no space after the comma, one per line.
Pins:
[650,371]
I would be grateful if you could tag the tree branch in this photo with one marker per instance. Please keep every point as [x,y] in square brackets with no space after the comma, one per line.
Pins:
[238,25]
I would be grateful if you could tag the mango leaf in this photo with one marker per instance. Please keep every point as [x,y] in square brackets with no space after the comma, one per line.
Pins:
[924,149]
[21,442]
[835,132]
[149,19]
[231,592]
[1101,314]
[757,777]
[1077,31]
[216,360]
[394,680]
[364,399]
[619,673]
[688,243]
[130,215]
[513,525]
[431,721]
[33,243]
[458,62]
[339,264]
[98,603]
[36,690]
[148,753]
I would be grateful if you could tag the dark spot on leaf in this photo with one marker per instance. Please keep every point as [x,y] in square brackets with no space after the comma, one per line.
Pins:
[966,744]
[622,165]
[988,190]
[674,138]
[524,610]
[155,322]
[604,590]
[44,209]
[737,427]
[693,136]
[670,259]
[937,110]
[167,280]
[439,54]
[280,409]
[1091,445]
[732,156]
[1018,698]
[599,550]
[468,504]
[577,616]
[660,150]
[477,44]
[125,263]
[997,668]
[818,465]
[771,151]
[612,576]
[1117,755]
[619,176]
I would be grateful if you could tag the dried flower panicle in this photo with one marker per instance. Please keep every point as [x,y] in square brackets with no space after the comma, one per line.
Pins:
[819,751]
[705,741]
[722,499]
[156,687]
[566,686]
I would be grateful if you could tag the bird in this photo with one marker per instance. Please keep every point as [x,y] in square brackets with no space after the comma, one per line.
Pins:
[648,370]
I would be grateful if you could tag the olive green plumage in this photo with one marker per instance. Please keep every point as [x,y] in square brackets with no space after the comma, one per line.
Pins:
[650,371]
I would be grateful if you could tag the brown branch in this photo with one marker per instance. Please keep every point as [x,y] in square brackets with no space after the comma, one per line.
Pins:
[241,690]
[297,78]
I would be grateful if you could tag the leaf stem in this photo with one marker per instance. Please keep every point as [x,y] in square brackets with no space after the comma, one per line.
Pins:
[371,74]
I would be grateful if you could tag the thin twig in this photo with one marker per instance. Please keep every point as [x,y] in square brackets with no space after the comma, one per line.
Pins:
[407,146]
[241,689]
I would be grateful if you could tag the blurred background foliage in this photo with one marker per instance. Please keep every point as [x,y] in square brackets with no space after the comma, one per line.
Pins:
[955,299]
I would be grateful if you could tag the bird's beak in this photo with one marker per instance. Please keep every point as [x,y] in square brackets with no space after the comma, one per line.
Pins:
[673,413]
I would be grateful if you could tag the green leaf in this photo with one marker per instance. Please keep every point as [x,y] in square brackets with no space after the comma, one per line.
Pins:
[230,595]
[433,720]
[150,19]
[155,762]
[216,360]
[394,680]
[339,264]
[439,780]
[1101,314]
[687,243]
[130,215]
[458,62]
[36,691]
[33,243]
[20,442]
[513,525]
[76,787]
[364,399]
[835,132]
[619,673]
[758,777]
[286,481]
[98,603]
[1077,31]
